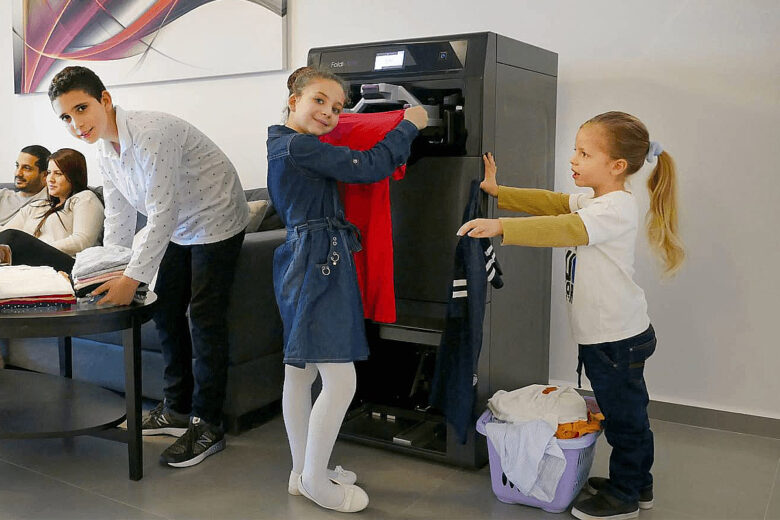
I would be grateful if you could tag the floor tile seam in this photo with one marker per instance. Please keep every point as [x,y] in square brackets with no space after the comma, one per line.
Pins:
[716,430]
[441,481]
[772,490]
[85,490]
[656,510]
[410,507]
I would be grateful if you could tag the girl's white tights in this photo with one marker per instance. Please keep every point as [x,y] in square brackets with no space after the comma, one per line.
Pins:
[312,430]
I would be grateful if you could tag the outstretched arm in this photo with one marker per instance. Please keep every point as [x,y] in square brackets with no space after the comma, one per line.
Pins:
[545,231]
[527,200]
[533,201]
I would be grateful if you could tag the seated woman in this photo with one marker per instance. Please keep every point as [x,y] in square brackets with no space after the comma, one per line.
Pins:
[51,232]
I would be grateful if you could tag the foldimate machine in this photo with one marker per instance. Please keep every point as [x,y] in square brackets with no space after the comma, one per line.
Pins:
[483,93]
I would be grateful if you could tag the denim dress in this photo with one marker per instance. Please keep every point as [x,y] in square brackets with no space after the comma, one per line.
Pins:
[315,281]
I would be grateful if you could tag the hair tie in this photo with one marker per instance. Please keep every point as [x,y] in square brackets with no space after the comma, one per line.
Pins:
[654,151]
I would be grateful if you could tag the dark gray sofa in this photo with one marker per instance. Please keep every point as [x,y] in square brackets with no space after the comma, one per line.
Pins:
[255,373]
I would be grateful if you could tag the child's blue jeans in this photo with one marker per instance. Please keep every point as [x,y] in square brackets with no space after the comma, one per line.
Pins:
[616,373]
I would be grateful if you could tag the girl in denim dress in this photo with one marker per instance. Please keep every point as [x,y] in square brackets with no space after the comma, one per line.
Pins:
[314,275]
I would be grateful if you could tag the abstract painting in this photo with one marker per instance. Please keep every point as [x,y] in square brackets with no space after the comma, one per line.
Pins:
[135,41]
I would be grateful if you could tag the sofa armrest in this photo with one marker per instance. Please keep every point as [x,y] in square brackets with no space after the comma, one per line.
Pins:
[253,317]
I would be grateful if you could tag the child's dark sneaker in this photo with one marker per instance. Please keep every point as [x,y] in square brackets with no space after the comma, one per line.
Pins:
[160,421]
[199,441]
[596,484]
[604,507]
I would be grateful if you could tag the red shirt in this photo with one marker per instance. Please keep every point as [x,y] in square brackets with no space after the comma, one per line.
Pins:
[368,207]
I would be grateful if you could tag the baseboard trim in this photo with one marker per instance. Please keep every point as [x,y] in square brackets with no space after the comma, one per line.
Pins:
[714,419]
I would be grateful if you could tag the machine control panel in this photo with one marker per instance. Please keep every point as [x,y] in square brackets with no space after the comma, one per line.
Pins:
[411,57]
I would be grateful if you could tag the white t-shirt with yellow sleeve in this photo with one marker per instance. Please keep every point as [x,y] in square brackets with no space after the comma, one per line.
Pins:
[605,303]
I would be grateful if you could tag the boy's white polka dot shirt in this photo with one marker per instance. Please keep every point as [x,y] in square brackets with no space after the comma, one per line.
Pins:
[171,172]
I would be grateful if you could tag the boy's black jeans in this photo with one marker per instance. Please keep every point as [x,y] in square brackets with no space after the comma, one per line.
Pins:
[616,373]
[199,277]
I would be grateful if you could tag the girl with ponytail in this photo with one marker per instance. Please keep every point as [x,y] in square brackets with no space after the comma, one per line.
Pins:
[607,310]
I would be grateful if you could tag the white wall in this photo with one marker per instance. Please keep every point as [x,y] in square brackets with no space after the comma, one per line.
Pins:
[701,74]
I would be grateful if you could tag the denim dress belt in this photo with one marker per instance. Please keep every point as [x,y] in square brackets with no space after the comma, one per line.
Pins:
[352,237]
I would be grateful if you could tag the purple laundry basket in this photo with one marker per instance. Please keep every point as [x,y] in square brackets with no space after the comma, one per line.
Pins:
[579,454]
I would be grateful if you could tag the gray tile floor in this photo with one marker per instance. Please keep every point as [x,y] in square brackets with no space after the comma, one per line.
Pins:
[700,474]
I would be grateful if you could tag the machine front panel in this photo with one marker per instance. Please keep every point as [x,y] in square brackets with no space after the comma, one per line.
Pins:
[427,208]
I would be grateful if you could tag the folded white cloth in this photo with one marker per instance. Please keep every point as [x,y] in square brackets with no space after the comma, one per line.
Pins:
[99,258]
[530,456]
[555,405]
[112,269]
[24,281]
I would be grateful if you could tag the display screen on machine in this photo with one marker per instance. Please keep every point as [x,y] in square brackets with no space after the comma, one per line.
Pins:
[389,60]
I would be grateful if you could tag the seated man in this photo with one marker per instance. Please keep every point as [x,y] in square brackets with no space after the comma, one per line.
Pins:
[29,180]
[30,184]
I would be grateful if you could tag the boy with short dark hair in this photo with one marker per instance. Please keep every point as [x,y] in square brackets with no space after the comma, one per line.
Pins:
[165,168]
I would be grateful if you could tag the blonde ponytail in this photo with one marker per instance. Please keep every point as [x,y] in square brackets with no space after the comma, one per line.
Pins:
[628,139]
[662,228]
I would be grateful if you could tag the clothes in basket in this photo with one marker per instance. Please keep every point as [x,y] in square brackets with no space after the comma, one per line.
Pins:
[554,404]
[530,456]
[578,454]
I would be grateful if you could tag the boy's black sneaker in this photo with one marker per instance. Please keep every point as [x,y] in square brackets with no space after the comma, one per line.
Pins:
[160,421]
[604,507]
[596,484]
[199,441]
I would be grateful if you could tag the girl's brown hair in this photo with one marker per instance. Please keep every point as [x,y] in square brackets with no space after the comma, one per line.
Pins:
[629,139]
[303,75]
[73,165]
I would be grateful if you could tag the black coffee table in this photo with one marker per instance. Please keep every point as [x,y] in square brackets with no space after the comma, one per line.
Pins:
[36,405]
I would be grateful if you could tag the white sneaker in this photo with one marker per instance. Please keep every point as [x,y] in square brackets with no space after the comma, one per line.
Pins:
[355,499]
[338,474]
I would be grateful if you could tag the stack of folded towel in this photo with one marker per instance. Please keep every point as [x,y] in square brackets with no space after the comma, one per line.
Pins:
[24,286]
[96,265]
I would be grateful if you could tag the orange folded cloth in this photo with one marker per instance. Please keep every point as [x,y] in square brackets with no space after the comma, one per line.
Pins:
[572,430]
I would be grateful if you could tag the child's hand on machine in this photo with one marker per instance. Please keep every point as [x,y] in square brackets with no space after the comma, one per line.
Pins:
[489,185]
[417,116]
[482,228]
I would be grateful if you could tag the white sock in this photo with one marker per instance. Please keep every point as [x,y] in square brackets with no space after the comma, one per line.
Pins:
[327,414]
[296,409]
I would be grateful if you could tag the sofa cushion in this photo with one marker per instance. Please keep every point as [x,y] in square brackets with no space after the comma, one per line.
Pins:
[257,210]
[272,220]
[98,190]
[256,194]
[253,318]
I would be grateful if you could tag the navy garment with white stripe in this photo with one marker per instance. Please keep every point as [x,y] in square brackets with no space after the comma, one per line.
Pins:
[454,381]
